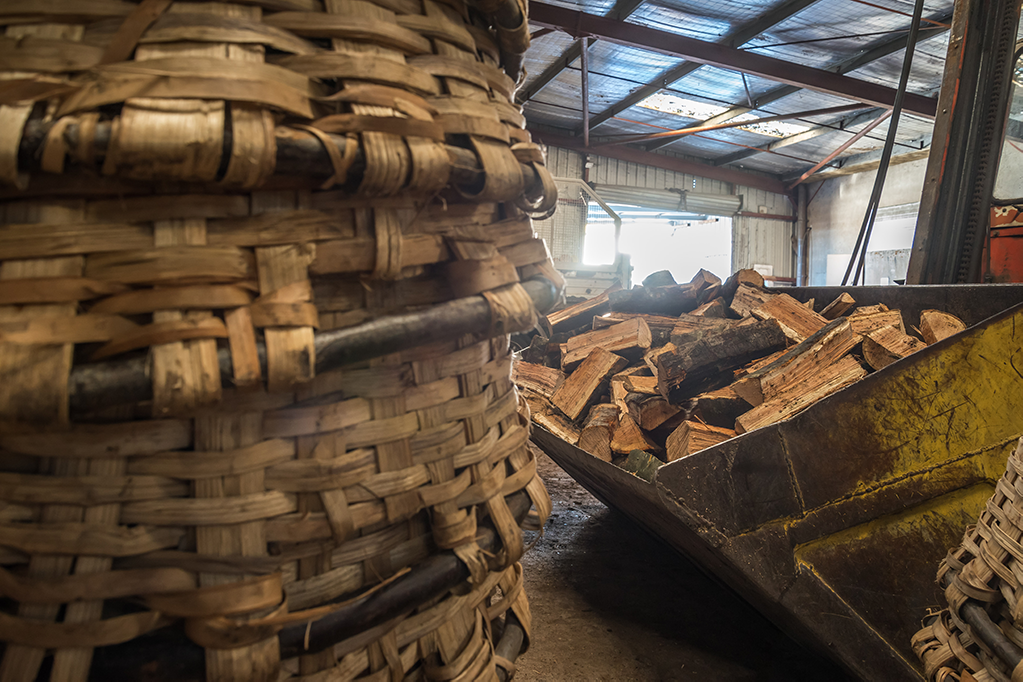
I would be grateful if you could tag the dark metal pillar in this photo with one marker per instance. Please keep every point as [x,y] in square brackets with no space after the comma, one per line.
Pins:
[972,109]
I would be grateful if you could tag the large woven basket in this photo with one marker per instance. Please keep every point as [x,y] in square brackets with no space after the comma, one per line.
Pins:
[201,206]
[978,637]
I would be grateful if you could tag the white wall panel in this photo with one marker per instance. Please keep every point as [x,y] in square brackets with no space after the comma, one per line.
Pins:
[754,240]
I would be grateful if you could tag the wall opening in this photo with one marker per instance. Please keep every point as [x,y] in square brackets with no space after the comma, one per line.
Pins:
[658,240]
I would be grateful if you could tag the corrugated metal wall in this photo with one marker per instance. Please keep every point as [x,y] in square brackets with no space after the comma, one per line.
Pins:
[754,240]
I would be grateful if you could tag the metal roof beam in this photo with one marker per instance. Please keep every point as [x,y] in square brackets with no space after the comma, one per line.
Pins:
[840,125]
[621,10]
[725,57]
[737,177]
[851,64]
[738,37]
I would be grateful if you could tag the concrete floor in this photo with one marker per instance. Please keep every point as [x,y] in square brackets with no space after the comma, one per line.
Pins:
[610,602]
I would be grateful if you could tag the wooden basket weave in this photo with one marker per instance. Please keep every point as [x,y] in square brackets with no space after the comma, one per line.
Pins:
[201,190]
[979,636]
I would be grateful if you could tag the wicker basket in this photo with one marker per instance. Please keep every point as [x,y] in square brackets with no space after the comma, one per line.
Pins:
[979,636]
[199,195]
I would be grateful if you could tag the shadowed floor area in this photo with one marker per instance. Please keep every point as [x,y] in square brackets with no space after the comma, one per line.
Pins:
[610,602]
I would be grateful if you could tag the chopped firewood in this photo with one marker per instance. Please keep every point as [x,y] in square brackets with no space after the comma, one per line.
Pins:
[619,393]
[704,279]
[642,465]
[758,364]
[629,339]
[650,411]
[673,300]
[936,325]
[686,323]
[744,276]
[537,378]
[838,307]
[796,321]
[801,396]
[798,363]
[598,429]
[866,319]
[661,278]
[579,314]
[711,293]
[703,360]
[718,408]
[713,309]
[581,388]
[692,436]
[641,384]
[536,353]
[747,298]
[628,437]
[809,304]
[660,325]
[558,425]
[884,346]
[650,357]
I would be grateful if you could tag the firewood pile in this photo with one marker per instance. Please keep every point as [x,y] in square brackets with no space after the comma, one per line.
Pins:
[669,369]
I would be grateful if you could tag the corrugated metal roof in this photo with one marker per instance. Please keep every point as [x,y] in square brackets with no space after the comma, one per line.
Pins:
[824,34]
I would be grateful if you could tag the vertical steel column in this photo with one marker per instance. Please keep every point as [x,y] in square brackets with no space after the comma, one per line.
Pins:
[584,56]
[972,110]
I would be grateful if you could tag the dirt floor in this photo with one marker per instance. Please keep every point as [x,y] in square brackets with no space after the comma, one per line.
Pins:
[610,602]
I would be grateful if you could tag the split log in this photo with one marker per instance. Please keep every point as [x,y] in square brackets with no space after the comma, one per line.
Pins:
[642,465]
[619,393]
[581,388]
[713,309]
[671,301]
[628,437]
[796,320]
[801,396]
[704,279]
[579,314]
[661,278]
[747,298]
[799,363]
[598,430]
[718,408]
[758,364]
[650,411]
[711,293]
[866,319]
[686,323]
[660,325]
[744,276]
[838,307]
[692,436]
[702,361]
[536,353]
[884,346]
[536,378]
[635,383]
[558,425]
[936,325]
[650,357]
[629,339]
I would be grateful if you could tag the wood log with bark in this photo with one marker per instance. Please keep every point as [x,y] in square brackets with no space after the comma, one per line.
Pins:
[838,307]
[936,325]
[884,346]
[671,300]
[582,388]
[598,430]
[693,436]
[660,325]
[574,316]
[795,319]
[630,339]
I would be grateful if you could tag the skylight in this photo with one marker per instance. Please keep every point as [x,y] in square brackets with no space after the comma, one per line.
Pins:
[688,108]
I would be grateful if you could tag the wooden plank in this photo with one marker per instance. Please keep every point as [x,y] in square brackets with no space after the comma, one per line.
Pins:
[581,388]
[884,346]
[598,430]
[936,325]
[801,396]
[799,363]
[693,436]
[703,361]
[796,320]
[629,339]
